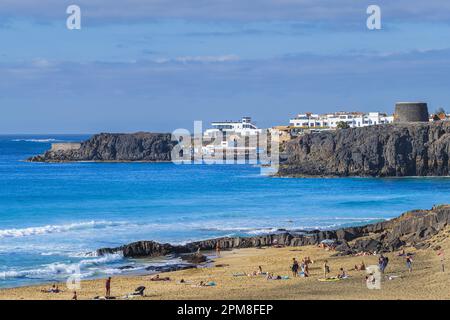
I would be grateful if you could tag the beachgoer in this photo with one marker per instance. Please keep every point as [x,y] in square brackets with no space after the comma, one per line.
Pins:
[139,291]
[53,289]
[342,274]
[381,263]
[326,268]
[409,263]
[158,278]
[75,297]
[294,267]
[218,249]
[108,287]
[260,270]
[360,267]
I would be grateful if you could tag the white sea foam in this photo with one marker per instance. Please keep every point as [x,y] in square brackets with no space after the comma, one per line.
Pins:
[42,230]
[35,140]
[87,267]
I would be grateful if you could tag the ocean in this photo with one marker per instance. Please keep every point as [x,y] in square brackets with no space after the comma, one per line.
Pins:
[54,216]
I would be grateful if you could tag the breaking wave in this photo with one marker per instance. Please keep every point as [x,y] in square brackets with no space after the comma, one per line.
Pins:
[42,230]
[35,140]
[86,267]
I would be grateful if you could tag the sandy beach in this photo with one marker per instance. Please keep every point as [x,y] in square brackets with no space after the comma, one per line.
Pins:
[427,281]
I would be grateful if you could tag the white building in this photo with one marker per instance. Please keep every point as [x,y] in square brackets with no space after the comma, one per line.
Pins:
[245,127]
[331,120]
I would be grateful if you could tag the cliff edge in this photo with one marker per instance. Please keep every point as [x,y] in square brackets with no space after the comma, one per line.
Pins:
[403,149]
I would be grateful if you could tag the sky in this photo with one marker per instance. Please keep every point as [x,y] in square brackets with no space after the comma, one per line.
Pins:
[158,65]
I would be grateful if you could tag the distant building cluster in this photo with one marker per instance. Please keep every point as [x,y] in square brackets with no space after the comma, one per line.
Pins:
[332,120]
[232,131]
[243,127]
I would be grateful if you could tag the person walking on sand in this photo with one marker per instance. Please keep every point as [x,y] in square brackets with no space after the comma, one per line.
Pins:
[108,287]
[294,267]
[218,249]
[409,263]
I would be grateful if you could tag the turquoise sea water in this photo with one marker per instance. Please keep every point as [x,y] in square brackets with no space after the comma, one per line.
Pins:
[52,216]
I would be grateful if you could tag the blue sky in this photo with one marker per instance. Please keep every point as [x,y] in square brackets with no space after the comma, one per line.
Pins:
[158,65]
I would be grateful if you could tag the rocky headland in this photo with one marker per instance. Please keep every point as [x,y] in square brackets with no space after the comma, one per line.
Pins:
[413,228]
[141,146]
[401,149]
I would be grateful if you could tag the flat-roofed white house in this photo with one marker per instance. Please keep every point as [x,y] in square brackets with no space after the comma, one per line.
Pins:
[244,127]
[331,120]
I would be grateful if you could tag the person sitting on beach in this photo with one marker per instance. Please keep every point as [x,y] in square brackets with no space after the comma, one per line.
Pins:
[253,274]
[53,289]
[269,276]
[342,274]
[370,279]
[360,267]
[139,291]
[260,270]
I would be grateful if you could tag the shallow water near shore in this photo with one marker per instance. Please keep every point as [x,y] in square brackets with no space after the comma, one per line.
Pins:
[53,216]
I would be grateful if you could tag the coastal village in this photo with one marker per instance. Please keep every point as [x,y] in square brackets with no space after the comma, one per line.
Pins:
[224,135]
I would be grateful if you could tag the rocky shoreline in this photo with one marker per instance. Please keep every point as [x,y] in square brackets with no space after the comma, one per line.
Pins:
[412,228]
[391,150]
[109,147]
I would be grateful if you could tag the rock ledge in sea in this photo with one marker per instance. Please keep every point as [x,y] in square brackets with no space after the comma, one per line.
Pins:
[141,146]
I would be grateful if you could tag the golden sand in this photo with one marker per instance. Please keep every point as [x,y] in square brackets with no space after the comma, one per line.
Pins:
[427,281]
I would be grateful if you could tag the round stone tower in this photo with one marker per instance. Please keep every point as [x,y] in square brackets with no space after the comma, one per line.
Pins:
[411,112]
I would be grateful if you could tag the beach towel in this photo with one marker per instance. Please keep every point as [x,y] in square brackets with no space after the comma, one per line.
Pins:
[328,279]
[239,274]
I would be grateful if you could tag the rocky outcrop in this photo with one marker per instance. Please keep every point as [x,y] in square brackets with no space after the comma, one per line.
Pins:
[404,149]
[410,229]
[115,147]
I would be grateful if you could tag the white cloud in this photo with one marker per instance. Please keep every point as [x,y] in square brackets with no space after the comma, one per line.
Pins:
[200,59]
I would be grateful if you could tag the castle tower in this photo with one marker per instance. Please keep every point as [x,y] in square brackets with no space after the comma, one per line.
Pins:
[411,112]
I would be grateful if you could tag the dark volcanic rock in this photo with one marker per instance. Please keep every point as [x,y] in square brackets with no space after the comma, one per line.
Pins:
[170,268]
[195,258]
[144,249]
[403,149]
[115,147]
[412,228]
